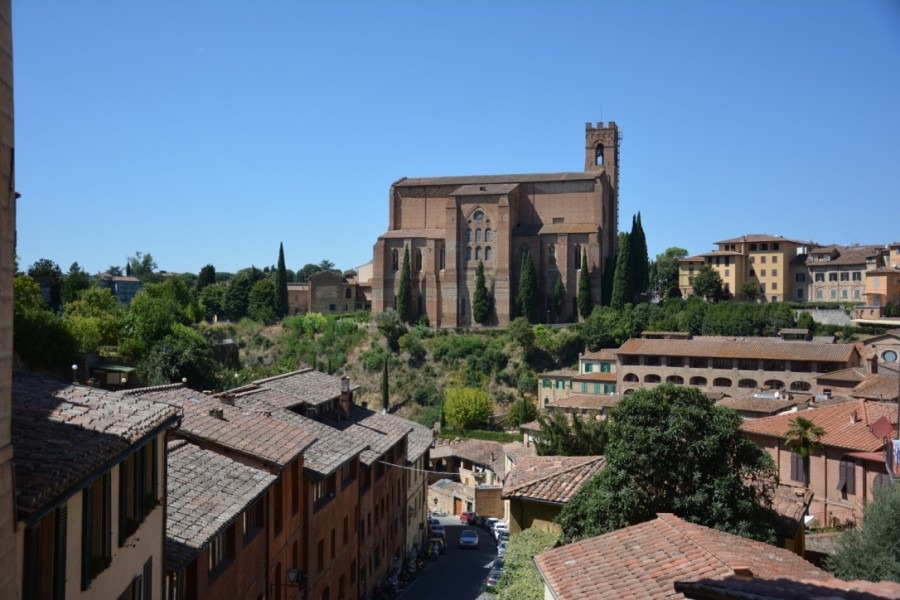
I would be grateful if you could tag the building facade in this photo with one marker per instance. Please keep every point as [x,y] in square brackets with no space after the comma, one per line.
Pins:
[9,582]
[450,224]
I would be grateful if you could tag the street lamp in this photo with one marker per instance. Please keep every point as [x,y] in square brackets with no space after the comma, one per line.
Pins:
[74,373]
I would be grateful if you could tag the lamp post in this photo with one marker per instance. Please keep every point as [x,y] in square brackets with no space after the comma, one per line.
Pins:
[74,373]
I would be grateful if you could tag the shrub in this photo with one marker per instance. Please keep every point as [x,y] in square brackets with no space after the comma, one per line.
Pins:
[467,406]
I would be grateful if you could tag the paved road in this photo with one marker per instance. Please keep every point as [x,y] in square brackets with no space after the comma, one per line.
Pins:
[458,574]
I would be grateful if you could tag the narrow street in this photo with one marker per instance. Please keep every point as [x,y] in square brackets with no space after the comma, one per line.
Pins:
[458,574]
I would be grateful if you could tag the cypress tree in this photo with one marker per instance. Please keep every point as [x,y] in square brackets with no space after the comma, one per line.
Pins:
[621,291]
[404,296]
[481,303]
[281,290]
[559,299]
[527,298]
[606,281]
[385,395]
[585,304]
[640,261]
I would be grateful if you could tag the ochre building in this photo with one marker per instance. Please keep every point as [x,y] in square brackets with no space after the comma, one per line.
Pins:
[449,224]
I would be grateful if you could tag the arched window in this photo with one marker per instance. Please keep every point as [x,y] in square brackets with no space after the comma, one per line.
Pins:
[721,382]
[774,384]
[488,234]
[576,256]
[468,235]
[551,253]
[800,386]
[598,155]
[675,379]
[418,260]
[698,380]
[747,383]
[443,260]
[652,378]
[478,253]
[478,235]
[487,253]
[468,253]
[395,259]
[630,377]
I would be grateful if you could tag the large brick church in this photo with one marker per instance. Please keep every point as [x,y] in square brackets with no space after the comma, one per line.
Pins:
[450,223]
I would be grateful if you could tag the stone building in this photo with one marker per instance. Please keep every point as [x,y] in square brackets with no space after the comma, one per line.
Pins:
[449,224]
[9,582]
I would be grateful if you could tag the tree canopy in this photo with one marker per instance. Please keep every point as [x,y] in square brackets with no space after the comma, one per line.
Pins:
[871,551]
[585,303]
[281,287]
[581,437]
[481,301]
[467,406]
[527,300]
[664,270]
[622,291]
[708,284]
[670,449]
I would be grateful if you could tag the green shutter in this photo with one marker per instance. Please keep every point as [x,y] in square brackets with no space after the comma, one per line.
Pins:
[59,552]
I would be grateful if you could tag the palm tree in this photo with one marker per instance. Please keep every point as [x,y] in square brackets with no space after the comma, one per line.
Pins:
[804,436]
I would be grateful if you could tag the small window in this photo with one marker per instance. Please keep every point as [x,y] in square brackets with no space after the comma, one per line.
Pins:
[487,253]
[443,263]
[468,235]
[478,235]
[598,155]
[468,253]
[418,261]
[889,356]
[798,468]
[478,216]
[762,259]
[488,235]
[395,260]
[546,383]
[478,253]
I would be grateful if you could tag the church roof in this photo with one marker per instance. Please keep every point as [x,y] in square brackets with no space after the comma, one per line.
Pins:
[494,179]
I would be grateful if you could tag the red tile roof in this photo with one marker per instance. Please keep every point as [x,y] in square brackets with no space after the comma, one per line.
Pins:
[881,387]
[552,479]
[758,348]
[646,560]
[589,401]
[602,354]
[841,430]
[604,377]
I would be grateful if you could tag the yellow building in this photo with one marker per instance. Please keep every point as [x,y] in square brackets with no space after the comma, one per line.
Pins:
[761,260]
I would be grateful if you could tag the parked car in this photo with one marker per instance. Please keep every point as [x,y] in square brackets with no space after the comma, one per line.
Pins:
[468,518]
[437,513]
[498,563]
[468,539]
[492,579]
[501,549]
[502,536]
[498,527]
[488,523]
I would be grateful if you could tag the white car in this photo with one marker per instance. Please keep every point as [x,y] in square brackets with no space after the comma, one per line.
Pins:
[501,526]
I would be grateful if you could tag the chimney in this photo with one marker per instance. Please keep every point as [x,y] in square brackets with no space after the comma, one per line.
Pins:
[742,572]
[346,398]
[854,418]
[229,400]
[217,413]
[873,364]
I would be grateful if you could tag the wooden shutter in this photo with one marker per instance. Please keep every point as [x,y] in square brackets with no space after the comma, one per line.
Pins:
[123,501]
[148,579]
[30,569]
[851,476]
[107,514]
[60,526]
[86,502]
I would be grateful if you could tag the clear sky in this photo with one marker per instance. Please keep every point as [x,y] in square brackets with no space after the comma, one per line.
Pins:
[204,131]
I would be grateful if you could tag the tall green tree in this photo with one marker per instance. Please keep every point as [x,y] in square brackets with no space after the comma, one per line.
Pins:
[467,406]
[719,478]
[74,282]
[404,295]
[48,275]
[236,300]
[640,261]
[804,436]
[207,276]
[622,293]
[41,339]
[559,299]
[94,318]
[143,267]
[261,302]
[871,551]
[585,303]
[708,284]
[481,301]
[664,270]
[560,437]
[385,386]
[281,287]
[527,299]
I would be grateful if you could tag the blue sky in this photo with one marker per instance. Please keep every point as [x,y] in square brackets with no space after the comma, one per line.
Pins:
[208,132]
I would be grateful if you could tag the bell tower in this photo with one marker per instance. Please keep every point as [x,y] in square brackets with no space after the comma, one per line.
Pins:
[601,147]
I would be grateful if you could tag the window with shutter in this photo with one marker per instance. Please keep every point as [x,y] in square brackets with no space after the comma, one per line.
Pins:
[96,529]
[847,479]
[798,471]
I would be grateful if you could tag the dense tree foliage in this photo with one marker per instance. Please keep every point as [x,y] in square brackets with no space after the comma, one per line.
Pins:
[385,386]
[261,302]
[708,284]
[521,579]
[48,274]
[559,300]
[562,437]
[585,302]
[664,270]
[481,301]
[143,267]
[152,314]
[391,327]
[670,449]
[236,300]
[40,337]
[527,298]
[281,286]
[640,261]
[871,551]
[404,294]
[806,321]
[467,406]
[622,292]
[181,354]
[521,411]
[206,277]
[75,281]
[94,318]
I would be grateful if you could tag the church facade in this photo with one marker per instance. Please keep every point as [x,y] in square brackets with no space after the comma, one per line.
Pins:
[449,224]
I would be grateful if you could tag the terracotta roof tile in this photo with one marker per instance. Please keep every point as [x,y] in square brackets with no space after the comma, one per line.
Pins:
[306,386]
[758,348]
[752,403]
[589,377]
[646,560]
[205,493]
[840,430]
[553,479]
[63,433]
[587,401]
[881,387]
[560,373]
[764,588]
[602,354]
[515,451]
[761,237]
[482,452]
